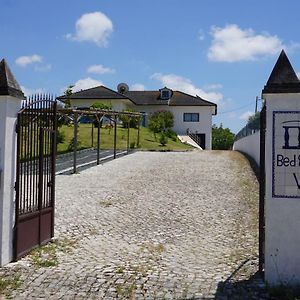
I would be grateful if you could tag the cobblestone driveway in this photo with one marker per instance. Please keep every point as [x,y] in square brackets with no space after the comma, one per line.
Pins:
[150,226]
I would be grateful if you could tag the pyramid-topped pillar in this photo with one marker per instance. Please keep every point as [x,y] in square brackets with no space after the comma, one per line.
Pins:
[11,97]
[282,175]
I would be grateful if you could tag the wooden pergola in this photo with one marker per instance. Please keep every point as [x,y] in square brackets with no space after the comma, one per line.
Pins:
[74,115]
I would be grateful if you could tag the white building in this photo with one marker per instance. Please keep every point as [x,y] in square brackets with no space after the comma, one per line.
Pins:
[191,114]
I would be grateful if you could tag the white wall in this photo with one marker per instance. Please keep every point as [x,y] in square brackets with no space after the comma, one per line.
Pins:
[9,106]
[249,145]
[282,215]
[203,126]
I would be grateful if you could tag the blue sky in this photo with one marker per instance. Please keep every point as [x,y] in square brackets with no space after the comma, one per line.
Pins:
[224,51]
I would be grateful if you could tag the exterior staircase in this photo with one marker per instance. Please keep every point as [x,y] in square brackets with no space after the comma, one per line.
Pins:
[188,140]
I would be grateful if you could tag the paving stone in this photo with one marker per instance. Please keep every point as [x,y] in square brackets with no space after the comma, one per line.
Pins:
[152,226]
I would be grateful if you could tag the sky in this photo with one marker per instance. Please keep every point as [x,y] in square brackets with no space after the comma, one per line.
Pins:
[222,51]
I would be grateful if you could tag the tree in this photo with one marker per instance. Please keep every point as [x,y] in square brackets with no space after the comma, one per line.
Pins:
[254,121]
[101,105]
[133,121]
[161,122]
[68,93]
[222,138]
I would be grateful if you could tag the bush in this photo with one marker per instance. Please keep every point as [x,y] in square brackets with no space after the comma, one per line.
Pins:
[60,137]
[163,139]
[133,121]
[72,144]
[171,134]
[132,145]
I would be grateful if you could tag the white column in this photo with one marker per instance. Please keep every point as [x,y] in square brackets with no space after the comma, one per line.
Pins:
[282,202]
[9,107]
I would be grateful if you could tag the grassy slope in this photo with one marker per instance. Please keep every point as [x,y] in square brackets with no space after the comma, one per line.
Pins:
[147,141]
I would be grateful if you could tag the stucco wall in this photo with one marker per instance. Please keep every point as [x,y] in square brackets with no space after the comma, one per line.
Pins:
[203,126]
[282,238]
[249,145]
[9,106]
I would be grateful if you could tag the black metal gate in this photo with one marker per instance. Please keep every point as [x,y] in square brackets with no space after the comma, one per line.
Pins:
[35,178]
[262,176]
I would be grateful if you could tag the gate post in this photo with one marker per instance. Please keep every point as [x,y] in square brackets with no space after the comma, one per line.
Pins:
[11,98]
[282,175]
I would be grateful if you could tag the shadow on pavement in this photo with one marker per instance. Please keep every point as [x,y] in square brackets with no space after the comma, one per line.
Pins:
[245,282]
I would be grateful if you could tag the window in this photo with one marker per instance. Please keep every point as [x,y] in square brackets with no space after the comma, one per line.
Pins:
[191,117]
[165,94]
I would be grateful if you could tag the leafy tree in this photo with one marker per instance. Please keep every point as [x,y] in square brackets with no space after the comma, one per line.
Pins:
[101,105]
[254,121]
[68,93]
[161,121]
[222,138]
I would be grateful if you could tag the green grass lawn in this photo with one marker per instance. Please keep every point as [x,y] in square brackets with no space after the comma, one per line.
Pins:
[147,140]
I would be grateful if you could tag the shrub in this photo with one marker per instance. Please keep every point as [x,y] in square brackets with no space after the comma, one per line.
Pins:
[72,144]
[132,145]
[171,134]
[60,137]
[133,121]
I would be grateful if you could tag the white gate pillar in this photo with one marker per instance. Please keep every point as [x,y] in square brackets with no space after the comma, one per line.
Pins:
[282,168]
[11,97]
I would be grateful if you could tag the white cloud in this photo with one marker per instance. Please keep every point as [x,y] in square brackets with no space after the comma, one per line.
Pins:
[93,27]
[23,61]
[213,86]
[29,92]
[231,44]
[185,85]
[86,83]
[43,68]
[245,116]
[137,87]
[201,35]
[100,69]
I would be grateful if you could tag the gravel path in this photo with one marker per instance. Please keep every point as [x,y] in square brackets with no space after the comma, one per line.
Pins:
[151,226]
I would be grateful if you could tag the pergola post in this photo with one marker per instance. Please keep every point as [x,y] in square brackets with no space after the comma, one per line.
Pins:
[98,140]
[75,143]
[128,125]
[115,136]
[138,135]
[92,134]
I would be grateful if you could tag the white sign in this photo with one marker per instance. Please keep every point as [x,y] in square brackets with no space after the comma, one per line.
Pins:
[286,154]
